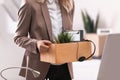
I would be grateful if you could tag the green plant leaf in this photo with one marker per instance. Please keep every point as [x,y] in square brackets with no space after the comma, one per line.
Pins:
[64,37]
[88,22]
[96,23]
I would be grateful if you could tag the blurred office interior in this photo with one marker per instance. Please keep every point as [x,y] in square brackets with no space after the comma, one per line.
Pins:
[11,55]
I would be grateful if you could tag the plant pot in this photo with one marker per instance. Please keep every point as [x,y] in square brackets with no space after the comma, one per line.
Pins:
[99,41]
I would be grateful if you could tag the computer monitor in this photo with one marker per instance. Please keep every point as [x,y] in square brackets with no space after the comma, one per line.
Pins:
[110,61]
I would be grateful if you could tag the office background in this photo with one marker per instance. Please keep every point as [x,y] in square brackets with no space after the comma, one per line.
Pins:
[11,55]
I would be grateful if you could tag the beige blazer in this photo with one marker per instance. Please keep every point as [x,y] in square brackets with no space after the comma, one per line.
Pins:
[34,24]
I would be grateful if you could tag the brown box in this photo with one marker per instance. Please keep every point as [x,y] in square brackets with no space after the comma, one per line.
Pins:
[99,41]
[66,52]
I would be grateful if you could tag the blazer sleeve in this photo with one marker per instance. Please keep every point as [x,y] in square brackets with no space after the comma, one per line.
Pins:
[21,35]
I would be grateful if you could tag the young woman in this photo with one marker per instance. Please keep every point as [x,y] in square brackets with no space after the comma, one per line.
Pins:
[40,21]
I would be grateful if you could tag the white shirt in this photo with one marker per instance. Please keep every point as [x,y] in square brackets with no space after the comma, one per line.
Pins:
[55,16]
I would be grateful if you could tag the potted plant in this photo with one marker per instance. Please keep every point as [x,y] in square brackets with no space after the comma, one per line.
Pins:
[91,27]
[64,37]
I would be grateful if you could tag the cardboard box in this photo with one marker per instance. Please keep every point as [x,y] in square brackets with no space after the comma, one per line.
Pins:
[99,41]
[66,52]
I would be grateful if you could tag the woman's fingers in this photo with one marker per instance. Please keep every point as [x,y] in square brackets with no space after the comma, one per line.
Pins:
[43,45]
[46,42]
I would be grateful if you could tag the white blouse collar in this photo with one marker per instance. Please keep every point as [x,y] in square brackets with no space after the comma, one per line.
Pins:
[51,1]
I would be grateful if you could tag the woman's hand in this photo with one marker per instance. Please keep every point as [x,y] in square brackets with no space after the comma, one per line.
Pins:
[43,45]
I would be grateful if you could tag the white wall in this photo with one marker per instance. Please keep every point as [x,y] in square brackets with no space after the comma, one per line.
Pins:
[10,54]
[109,11]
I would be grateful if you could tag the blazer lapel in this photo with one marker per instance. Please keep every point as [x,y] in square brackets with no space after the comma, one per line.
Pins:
[66,19]
[47,20]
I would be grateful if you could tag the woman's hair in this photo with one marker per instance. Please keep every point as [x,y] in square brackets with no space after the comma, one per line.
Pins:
[67,4]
